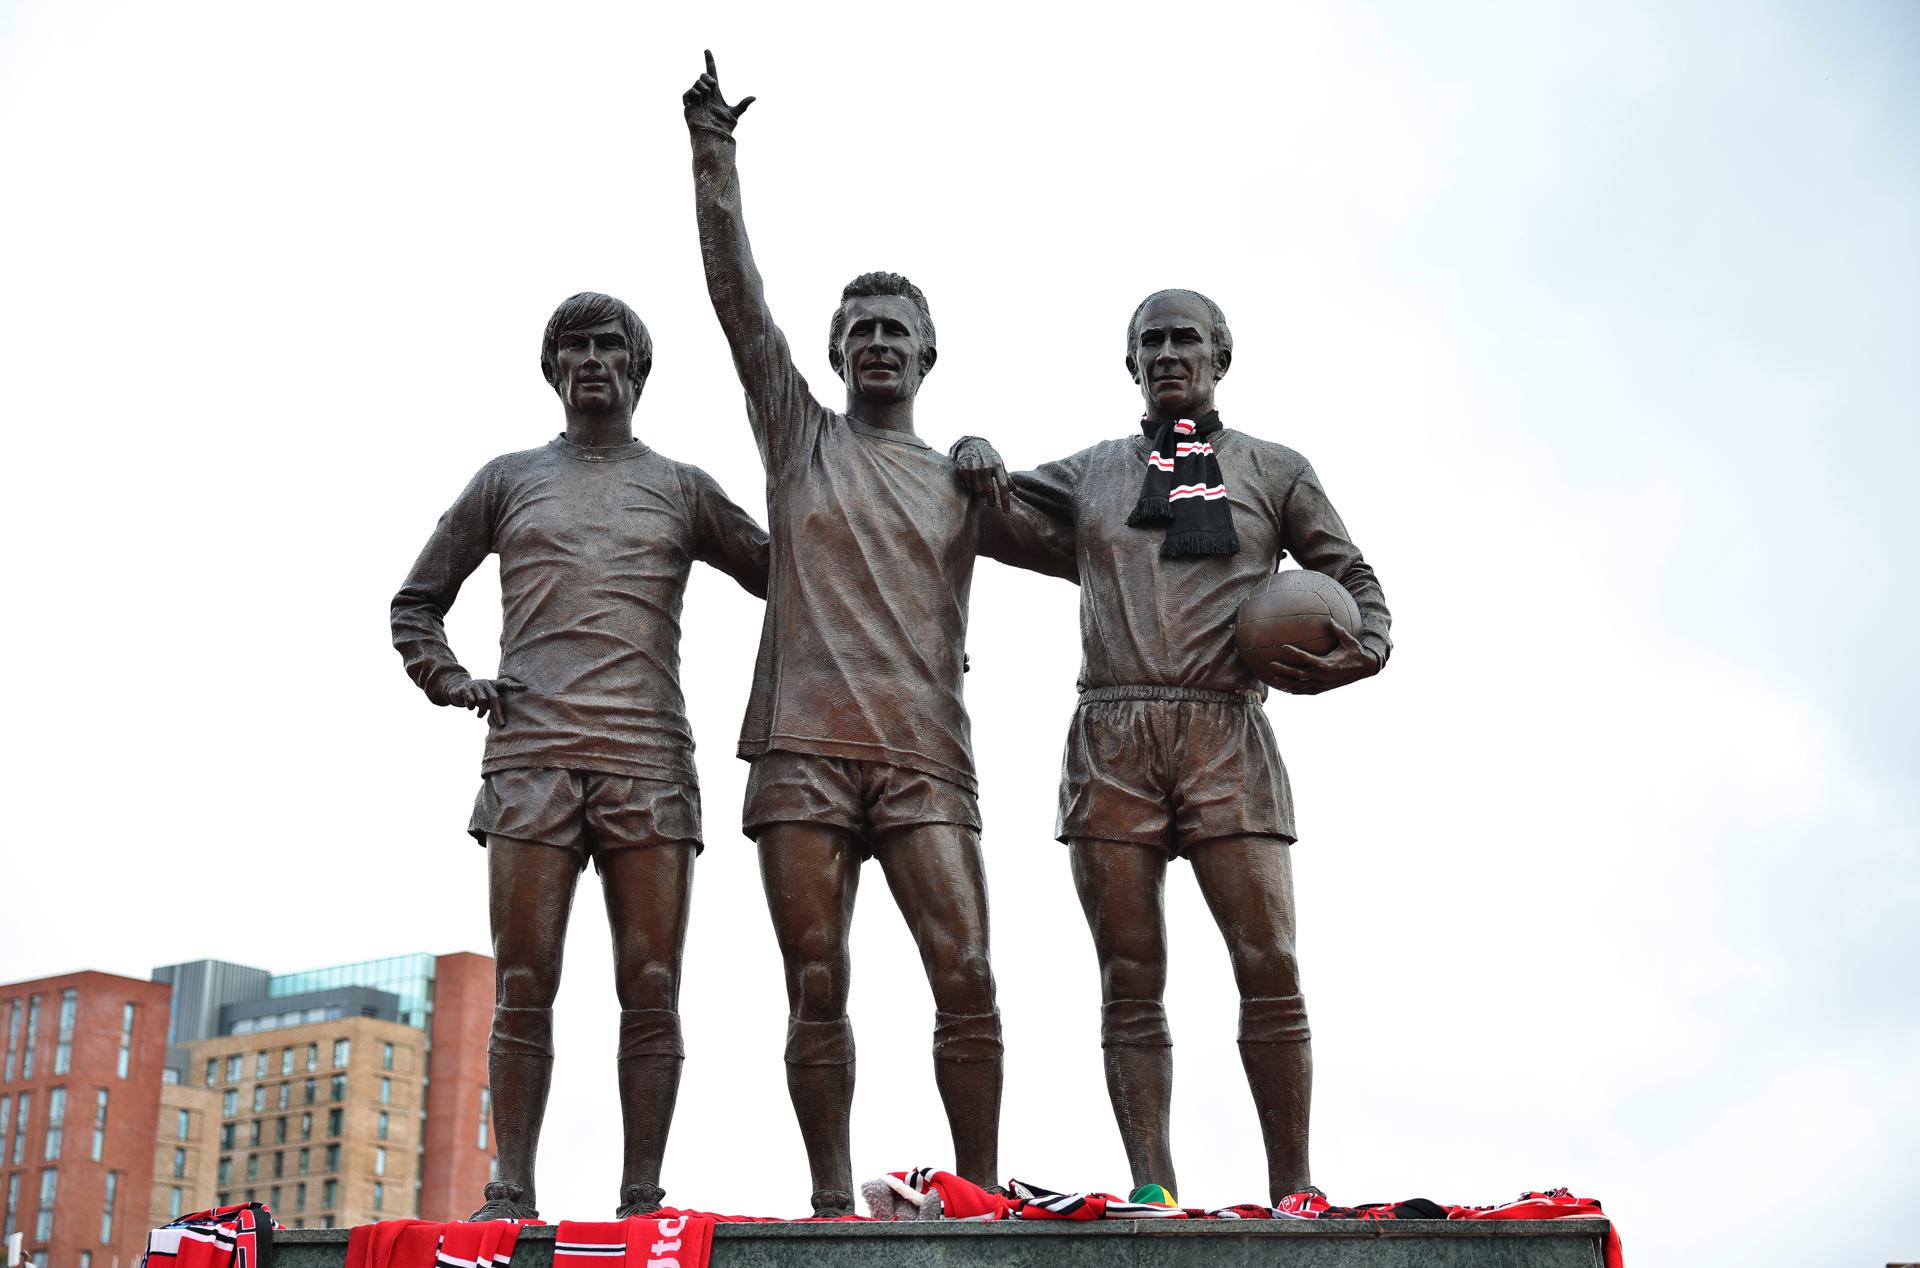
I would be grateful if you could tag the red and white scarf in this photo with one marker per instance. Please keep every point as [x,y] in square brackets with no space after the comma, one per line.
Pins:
[1184,489]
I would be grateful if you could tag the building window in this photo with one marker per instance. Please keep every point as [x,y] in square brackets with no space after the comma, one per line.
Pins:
[285,1097]
[334,1118]
[43,1220]
[226,1135]
[303,1160]
[337,1088]
[63,1042]
[386,1091]
[300,1196]
[280,1131]
[313,1057]
[486,1114]
[279,1163]
[183,1126]
[176,1198]
[126,1040]
[86,1259]
[306,1127]
[333,1160]
[273,1198]
[309,1092]
[38,1259]
[339,1053]
[106,1214]
[260,1065]
[23,1110]
[225,1175]
[379,1162]
[259,1097]
[179,1164]
[253,1132]
[6,1121]
[233,1069]
[13,1202]
[33,1036]
[379,1195]
[386,1056]
[229,1103]
[286,1061]
[329,1191]
[56,1121]
[213,1071]
[253,1166]
[382,1127]
[99,1123]
[13,1034]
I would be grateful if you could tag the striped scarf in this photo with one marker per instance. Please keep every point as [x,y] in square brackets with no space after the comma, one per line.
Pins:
[681,1241]
[1184,489]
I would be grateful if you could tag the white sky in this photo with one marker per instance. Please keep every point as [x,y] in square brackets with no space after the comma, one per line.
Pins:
[1601,323]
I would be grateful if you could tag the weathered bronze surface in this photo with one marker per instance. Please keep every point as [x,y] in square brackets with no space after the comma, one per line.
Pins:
[857,729]
[1169,753]
[588,750]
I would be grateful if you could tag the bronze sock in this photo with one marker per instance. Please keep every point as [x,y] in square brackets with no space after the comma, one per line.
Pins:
[1137,1049]
[649,1065]
[519,1074]
[1276,1050]
[820,1084]
[968,1068]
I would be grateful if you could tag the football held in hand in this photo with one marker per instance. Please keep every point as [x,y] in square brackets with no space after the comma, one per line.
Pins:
[1295,608]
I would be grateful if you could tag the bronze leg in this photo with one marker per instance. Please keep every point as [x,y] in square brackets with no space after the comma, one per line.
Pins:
[1121,887]
[529,897]
[811,875]
[1248,884]
[939,881]
[648,891]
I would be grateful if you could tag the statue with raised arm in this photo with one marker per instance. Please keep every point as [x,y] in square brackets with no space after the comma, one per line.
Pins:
[588,752]
[857,730]
[1169,754]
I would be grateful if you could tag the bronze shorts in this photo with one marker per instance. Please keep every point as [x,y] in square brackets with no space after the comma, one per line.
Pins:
[1172,767]
[863,798]
[585,811]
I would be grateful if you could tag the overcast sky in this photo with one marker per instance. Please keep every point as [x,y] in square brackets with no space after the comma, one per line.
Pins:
[1600,322]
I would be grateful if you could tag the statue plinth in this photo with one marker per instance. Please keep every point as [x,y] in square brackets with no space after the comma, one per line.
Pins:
[1572,1243]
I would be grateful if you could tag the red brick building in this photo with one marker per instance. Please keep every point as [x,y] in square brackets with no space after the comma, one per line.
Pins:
[80,1078]
[458,1134]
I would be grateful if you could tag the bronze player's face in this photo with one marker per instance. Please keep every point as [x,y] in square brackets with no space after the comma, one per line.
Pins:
[1173,357]
[882,352]
[593,362]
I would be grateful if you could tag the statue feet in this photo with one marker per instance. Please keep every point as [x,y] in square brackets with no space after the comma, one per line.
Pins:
[505,1201]
[639,1199]
[828,1203]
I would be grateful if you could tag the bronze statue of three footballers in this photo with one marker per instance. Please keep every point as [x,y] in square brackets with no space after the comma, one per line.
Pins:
[857,729]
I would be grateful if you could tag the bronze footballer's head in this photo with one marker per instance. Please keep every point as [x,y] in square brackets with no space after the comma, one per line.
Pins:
[596,353]
[1178,350]
[881,341]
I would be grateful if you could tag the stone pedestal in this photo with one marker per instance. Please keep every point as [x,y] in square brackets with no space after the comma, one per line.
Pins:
[1095,1244]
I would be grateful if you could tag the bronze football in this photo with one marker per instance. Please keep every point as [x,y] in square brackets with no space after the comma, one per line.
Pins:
[1295,608]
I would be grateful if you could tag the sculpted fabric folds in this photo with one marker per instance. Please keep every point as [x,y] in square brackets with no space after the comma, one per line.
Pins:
[1149,619]
[873,549]
[595,545]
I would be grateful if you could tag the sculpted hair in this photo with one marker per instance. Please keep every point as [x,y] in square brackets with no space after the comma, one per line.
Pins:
[1222,337]
[590,308]
[868,285]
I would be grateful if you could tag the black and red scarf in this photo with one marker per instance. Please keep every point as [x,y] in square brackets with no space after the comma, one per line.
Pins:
[1184,489]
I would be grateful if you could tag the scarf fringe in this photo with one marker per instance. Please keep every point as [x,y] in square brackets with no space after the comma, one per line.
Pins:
[1200,543]
[1152,508]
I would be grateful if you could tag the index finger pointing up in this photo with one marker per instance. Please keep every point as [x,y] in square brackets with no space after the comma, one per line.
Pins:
[710,69]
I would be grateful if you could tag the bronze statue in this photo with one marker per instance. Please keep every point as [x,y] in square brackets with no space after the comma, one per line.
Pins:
[857,730]
[588,751]
[1169,753]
